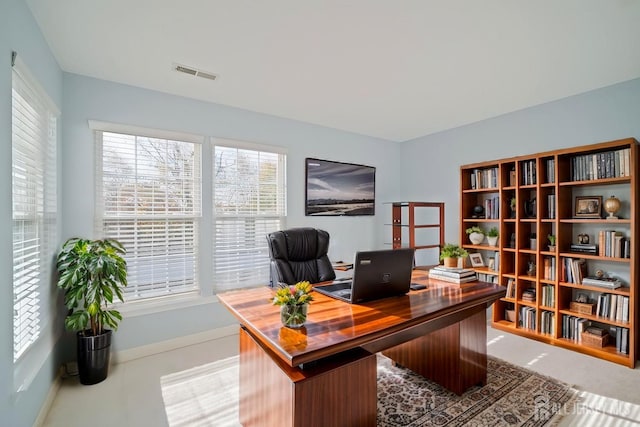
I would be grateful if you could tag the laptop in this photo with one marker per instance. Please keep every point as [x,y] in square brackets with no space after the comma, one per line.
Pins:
[376,274]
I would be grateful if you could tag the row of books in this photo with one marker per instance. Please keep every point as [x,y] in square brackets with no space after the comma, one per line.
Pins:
[622,340]
[528,318]
[549,268]
[529,172]
[550,166]
[613,307]
[610,164]
[613,244]
[484,178]
[573,326]
[453,275]
[496,262]
[511,288]
[548,296]
[573,270]
[492,208]
[551,206]
[548,322]
[490,278]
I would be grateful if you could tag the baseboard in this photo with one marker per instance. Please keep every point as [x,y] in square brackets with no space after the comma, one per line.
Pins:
[172,344]
[48,401]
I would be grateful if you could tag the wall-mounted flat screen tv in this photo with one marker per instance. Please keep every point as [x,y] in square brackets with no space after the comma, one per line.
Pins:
[336,188]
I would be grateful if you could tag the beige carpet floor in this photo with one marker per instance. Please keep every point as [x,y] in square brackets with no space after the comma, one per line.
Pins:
[208,396]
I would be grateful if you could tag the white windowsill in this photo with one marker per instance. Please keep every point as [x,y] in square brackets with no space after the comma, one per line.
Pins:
[160,304]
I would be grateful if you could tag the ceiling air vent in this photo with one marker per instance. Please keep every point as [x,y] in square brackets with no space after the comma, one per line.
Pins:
[195,72]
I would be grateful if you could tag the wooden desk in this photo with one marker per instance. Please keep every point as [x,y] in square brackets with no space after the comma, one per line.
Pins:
[302,377]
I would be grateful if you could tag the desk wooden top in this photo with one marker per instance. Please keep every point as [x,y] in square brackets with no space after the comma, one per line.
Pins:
[334,326]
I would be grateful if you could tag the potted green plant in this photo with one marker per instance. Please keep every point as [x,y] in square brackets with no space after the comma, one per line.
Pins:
[91,273]
[492,236]
[476,234]
[450,253]
[552,242]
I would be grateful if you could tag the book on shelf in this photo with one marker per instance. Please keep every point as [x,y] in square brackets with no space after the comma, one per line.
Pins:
[529,295]
[608,164]
[548,296]
[603,282]
[528,318]
[547,322]
[622,340]
[584,248]
[573,270]
[613,307]
[511,288]
[489,278]
[551,171]
[613,244]
[572,327]
[484,178]
[551,206]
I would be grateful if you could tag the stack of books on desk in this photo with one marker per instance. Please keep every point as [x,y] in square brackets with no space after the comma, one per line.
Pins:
[453,275]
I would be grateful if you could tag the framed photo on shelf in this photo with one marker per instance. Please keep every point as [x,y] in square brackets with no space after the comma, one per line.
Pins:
[588,207]
[476,260]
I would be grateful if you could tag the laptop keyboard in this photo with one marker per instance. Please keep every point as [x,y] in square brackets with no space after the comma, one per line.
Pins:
[339,286]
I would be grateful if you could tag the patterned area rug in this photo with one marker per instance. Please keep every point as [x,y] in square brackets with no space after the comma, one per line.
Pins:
[208,396]
[513,396]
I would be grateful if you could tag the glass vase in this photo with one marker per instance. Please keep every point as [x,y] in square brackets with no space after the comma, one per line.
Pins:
[293,316]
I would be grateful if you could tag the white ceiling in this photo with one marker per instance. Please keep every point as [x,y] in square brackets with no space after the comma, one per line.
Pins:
[393,69]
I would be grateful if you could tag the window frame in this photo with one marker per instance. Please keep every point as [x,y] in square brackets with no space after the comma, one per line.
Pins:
[280,216]
[162,302]
[39,155]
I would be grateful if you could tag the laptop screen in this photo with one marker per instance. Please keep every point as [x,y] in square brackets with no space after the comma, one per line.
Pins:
[376,274]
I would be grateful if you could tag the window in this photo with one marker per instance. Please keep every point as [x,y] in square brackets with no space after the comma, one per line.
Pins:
[34,206]
[249,202]
[149,198]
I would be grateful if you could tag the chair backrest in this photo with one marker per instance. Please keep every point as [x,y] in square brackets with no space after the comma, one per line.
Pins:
[299,254]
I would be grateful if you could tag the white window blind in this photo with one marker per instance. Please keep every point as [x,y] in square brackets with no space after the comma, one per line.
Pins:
[249,202]
[34,207]
[149,198]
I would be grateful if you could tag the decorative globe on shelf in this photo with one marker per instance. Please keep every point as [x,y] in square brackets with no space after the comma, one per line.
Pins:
[478,212]
[611,206]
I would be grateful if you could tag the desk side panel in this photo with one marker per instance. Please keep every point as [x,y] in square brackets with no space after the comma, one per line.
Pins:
[454,356]
[340,392]
[266,395]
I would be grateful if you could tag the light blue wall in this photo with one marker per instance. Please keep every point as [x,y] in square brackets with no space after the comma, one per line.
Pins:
[422,169]
[87,98]
[431,164]
[19,32]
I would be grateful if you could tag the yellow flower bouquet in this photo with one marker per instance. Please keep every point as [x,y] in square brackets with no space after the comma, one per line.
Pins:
[293,302]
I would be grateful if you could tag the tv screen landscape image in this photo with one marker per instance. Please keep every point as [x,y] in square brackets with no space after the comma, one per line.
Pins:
[336,188]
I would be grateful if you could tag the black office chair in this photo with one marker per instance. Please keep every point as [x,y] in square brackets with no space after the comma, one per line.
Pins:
[299,254]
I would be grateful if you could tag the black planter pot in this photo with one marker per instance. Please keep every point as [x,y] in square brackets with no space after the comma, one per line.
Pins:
[94,353]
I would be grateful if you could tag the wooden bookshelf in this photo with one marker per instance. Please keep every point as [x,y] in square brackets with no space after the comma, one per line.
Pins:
[418,225]
[544,187]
